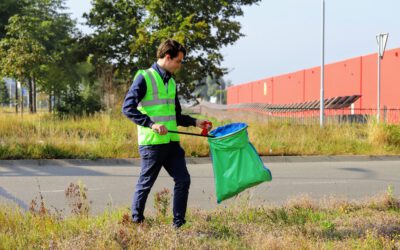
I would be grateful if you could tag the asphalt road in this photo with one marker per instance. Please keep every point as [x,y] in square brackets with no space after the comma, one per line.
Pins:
[111,183]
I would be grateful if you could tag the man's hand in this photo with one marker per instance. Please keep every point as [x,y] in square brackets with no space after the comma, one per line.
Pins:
[159,129]
[204,124]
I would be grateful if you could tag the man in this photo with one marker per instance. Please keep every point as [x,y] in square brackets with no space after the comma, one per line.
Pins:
[152,104]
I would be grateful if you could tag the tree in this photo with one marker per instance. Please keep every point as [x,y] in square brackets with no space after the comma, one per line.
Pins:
[210,86]
[8,8]
[127,34]
[222,92]
[4,96]
[37,39]
[81,96]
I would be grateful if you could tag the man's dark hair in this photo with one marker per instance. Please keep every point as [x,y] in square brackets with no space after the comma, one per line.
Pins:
[170,47]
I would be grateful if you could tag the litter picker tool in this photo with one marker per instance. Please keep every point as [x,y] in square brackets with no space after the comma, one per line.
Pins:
[187,133]
[204,133]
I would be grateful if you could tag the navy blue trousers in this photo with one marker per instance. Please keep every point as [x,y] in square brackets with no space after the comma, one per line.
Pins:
[171,156]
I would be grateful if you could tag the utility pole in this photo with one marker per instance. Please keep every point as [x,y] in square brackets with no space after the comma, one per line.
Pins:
[381,40]
[321,108]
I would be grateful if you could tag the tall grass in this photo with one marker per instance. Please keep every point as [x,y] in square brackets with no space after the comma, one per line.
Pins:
[43,136]
[333,139]
[301,223]
[114,136]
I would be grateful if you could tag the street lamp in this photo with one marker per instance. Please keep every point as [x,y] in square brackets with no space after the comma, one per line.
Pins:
[321,108]
[381,40]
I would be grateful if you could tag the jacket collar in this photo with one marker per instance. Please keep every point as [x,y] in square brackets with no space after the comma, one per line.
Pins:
[165,75]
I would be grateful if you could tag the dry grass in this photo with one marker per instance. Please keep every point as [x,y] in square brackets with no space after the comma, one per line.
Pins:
[301,223]
[114,136]
[334,139]
[102,136]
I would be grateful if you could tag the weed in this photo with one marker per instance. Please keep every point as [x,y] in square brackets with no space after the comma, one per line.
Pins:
[126,220]
[328,227]
[76,194]
[122,238]
[301,202]
[37,205]
[384,201]
[390,201]
[162,200]
[289,226]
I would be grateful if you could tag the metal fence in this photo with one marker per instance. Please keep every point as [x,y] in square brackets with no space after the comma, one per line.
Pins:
[256,112]
[295,115]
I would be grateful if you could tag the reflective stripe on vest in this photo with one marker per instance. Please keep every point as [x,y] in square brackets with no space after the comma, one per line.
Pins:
[155,102]
[163,118]
[159,104]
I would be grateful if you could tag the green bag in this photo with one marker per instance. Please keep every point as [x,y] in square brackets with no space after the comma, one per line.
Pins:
[236,163]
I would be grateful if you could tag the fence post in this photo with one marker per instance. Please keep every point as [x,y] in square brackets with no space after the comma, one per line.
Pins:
[385,114]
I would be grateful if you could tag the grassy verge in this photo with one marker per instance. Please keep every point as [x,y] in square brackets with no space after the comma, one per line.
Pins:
[113,136]
[301,223]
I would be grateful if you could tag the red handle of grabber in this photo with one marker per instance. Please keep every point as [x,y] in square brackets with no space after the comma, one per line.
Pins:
[204,132]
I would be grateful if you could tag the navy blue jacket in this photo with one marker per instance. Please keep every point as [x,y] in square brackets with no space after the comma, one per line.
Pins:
[136,93]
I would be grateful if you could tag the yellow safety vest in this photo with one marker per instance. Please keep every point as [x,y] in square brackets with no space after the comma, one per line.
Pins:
[159,104]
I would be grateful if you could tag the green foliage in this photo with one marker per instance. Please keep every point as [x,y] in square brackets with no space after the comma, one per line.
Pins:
[74,104]
[35,37]
[210,86]
[41,46]
[4,95]
[77,102]
[392,135]
[328,227]
[129,32]
[8,8]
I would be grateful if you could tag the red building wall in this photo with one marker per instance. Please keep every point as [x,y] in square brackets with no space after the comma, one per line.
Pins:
[244,93]
[355,76]
[312,84]
[231,95]
[292,85]
[390,79]
[259,95]
[270,90]
[369,81]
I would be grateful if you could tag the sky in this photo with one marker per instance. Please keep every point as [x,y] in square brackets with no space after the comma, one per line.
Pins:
[283,36]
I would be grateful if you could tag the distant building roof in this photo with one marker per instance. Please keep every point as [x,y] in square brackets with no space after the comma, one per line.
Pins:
[338,102]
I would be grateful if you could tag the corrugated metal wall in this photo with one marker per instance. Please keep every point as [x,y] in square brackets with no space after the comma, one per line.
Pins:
[355,76]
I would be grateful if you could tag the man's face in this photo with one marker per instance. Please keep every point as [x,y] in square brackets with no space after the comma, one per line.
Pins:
[174,63]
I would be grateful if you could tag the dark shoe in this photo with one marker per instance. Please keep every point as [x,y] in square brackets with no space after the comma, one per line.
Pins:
[137,220]
[178,224]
